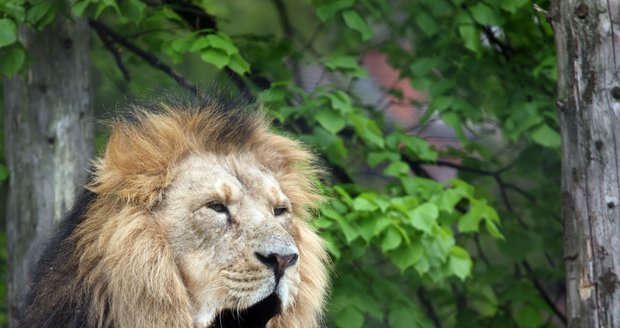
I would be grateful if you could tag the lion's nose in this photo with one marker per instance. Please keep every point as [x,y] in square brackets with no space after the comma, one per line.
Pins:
[277,262]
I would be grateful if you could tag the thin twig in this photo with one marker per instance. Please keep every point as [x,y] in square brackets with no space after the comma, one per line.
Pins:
[115,53]
[544,294]
[520,191]
[428,306]
[313,37]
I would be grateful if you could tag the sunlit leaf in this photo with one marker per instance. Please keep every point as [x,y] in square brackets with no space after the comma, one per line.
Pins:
[424,217]
[391,240]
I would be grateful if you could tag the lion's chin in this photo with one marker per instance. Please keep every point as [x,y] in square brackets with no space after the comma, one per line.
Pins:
[256,316]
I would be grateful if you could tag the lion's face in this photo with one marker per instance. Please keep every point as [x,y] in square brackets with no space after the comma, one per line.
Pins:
[232,233]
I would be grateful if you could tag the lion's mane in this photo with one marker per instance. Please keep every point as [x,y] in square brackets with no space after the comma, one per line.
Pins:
[110,264]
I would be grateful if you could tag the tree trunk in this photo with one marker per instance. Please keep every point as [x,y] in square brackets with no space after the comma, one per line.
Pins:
[49,141]
[588,51]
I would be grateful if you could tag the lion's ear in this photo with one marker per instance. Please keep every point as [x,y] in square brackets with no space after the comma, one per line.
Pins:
[137,160]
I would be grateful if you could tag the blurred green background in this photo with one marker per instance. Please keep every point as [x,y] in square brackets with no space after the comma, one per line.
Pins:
[434,118]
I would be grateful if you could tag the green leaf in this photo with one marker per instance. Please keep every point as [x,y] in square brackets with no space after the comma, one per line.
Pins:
[471,37]
[133,9]
[513,5]
[8,32]
[484,14]
[322,223]
[460,262]
[222,42]
[407,317]
[367,229]
[4,172]
[493,230]
[105,4]
[471,220]
[14,9]
[215,56]
[331,245]
[362,203]
[181,45]
[404,204]
[438,244]
[356,22]
[424,217]
[426,23]
[391,240]
[11,60]
[345,64]
[423,187]
[545,136]
[330,9]
[330,120]
[37,12]
[442,102]
[78,8]
[369,305]
[340,101]
[349,317]
[371,227]
[454,121]
[367,130]
[448,199]
[423,66]
[350,233]
[199,43]
[406,256]
[396,169]
[528,316]
[483,299]
[238,64]
[375,158]
[419,147]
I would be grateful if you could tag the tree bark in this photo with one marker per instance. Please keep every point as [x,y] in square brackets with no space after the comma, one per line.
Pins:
[588,51]
[49,141]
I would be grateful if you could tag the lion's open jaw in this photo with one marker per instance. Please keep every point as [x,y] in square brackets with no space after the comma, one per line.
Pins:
[256,316]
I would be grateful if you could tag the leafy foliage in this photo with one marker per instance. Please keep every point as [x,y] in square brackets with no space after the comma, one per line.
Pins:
[408,251]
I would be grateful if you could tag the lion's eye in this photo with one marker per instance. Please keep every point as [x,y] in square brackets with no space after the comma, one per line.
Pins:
[218,207]
[279,211]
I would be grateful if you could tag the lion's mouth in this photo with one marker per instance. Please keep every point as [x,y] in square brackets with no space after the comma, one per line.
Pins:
[255,316]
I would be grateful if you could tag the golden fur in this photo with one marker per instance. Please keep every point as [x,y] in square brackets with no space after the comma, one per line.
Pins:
[127,271]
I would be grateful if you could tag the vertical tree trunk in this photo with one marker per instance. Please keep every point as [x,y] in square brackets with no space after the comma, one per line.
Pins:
[588,51]
[49,140]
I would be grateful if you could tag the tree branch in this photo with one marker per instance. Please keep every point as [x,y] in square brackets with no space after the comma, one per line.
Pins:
[287,29]
[103,29]
[428,307]
[115,53]
[544,294]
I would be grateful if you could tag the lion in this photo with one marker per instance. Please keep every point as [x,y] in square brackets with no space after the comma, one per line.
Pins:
[194,216]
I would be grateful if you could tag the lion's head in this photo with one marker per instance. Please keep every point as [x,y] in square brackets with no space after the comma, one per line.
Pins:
[232,229]
[197,220]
